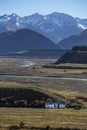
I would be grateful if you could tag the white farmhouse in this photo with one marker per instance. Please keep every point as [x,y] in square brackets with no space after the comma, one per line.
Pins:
[55,105]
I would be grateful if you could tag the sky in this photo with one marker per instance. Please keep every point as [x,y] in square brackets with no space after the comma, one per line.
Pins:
[75,8]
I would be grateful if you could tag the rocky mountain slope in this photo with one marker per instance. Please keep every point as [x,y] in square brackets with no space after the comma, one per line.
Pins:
[54,26]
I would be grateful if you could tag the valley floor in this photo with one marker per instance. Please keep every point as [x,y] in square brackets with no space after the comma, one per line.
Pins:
[70,90]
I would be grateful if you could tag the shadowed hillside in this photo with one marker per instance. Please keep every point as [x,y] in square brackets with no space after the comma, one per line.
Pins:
[75,40]
[24,39]
[78,54]
[18,97]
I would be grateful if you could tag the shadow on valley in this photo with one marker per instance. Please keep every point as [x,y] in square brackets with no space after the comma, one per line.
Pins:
[17,97]
[30,98]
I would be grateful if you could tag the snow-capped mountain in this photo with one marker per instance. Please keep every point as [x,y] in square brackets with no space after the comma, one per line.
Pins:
[55,26]
[11,23]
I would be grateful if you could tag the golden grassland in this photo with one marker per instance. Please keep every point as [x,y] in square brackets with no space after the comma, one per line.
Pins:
[43,117]
[59,89]
[12,66]
[67,88]
[54,87]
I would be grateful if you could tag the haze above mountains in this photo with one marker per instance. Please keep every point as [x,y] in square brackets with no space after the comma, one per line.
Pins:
[58,27]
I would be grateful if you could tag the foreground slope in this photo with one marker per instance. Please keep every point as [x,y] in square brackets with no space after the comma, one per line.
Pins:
[24,39]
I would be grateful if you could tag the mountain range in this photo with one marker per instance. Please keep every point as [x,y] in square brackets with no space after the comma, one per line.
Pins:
[55,26]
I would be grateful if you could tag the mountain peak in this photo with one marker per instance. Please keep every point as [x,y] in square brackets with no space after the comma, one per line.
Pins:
[13,15]
[60,14]
[62,17]
[35,15]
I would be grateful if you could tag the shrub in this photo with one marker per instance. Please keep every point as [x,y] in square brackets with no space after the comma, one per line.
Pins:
[14,127]
[47,127]
[21,125]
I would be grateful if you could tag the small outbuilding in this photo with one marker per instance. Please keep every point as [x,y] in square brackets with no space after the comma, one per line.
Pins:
[55,105]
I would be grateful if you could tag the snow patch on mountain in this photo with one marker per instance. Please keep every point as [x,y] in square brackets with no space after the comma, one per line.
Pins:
[82,26]
[17,23]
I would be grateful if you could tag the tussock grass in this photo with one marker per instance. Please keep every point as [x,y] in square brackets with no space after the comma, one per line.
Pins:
[10,84]
[59,88]
[43,117]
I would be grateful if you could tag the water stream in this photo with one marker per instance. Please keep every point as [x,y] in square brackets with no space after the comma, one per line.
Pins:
[42,77]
